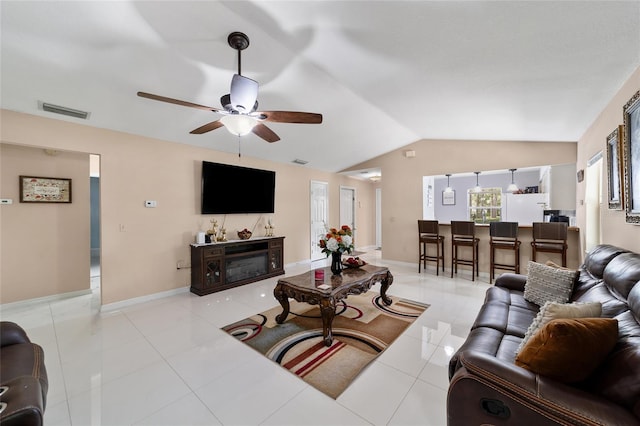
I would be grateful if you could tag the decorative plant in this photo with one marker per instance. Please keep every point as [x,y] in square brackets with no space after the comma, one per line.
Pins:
[337,241]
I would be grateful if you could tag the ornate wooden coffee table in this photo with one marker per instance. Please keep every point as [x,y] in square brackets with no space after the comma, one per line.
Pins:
[328,290]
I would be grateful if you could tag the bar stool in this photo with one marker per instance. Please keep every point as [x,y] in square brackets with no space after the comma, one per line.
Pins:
[550,237]
[503,236]
[463,233]
[429,233]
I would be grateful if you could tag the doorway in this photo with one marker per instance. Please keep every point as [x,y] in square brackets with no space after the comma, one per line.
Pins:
[319,192]
[347,208]
[378,218]
[94,197]
[593,202]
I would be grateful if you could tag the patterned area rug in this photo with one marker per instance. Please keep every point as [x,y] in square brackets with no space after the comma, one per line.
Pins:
[362,328]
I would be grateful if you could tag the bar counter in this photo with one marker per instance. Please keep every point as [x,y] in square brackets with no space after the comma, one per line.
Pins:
[525,235]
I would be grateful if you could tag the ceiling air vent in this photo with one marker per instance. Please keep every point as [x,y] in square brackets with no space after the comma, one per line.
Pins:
[57,109]
[299,161]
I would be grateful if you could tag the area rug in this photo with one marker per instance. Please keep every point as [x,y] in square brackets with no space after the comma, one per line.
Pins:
[362,329]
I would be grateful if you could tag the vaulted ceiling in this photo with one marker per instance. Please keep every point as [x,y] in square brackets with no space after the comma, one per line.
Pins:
[383,73]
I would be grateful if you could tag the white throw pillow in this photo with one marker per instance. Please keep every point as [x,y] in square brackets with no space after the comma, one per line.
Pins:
[555,310]
[548,284]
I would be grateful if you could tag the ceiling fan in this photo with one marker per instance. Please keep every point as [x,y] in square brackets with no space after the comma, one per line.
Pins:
[239,106]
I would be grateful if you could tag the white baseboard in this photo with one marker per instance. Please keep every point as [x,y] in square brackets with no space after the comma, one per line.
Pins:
[149,297]
[45,299]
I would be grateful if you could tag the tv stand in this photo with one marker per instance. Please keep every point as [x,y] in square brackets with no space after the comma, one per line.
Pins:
[219,266]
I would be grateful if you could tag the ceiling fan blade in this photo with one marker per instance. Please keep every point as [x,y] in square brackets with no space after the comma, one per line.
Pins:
[176,101]
[244,93]
[265,133]
[207,127]
[290,117]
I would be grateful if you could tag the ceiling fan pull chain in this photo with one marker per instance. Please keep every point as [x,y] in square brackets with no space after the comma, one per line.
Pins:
[239,156]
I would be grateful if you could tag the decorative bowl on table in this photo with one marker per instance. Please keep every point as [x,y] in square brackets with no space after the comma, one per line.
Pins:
[353,262]
[245,234]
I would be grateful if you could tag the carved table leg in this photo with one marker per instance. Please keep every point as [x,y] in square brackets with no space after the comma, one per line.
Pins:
[384,285]
[284,302]
[328,311]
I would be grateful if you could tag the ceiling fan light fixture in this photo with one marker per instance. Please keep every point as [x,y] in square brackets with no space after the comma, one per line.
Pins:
[238,124]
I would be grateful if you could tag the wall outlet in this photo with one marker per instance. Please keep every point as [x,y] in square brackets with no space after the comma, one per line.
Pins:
[150,203]
[6,201]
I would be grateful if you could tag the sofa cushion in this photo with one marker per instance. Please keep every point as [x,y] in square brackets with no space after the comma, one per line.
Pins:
[622,273]
[569,350]
[617,377]
[611,305]
[599,258]
[545,283]
[555,310]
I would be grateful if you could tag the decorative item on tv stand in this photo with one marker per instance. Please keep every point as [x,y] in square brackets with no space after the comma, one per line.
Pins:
[268,230]
[213,232]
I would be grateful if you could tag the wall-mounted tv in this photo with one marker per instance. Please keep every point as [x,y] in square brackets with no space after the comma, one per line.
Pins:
[235,189]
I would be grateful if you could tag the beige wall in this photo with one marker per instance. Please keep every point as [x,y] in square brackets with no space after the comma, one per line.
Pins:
[141,247]
[402,179]
[44,245]
[614,229]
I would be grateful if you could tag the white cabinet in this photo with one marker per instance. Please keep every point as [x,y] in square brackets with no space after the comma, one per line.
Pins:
[524,208]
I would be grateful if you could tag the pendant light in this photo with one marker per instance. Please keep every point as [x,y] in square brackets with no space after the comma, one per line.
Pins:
[512,187]
[448,188]
[477,188]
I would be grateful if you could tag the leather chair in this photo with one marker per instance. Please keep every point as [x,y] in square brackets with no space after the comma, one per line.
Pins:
[23,378]
[503,236]
[550,237]
[429,233]
[463,234]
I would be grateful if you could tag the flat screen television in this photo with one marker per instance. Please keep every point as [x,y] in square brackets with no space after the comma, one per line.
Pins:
[235,189]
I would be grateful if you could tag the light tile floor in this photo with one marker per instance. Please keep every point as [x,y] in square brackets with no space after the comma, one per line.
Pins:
[166,361]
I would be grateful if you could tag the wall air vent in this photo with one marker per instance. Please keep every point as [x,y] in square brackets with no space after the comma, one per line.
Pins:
[299,161]
[57,109]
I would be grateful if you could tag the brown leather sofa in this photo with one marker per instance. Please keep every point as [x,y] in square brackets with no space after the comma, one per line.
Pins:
[486,387]
[23,378]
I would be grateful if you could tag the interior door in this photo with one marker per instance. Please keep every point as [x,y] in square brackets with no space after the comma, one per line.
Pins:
[378,218]
[319,216]
[347,208]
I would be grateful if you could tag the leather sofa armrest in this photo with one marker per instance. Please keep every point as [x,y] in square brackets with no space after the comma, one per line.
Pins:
[21,402]
[528,397]
[511,281]
[11,334]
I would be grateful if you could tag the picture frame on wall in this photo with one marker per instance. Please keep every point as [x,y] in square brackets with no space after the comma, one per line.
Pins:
[34,189]
[449,198]
[614,167]
[631,159]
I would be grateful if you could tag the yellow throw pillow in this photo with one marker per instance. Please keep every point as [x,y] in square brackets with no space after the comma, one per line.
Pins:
[569,350]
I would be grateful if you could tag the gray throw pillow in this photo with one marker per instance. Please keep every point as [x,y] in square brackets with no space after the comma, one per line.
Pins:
[555,310]
[548,284]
